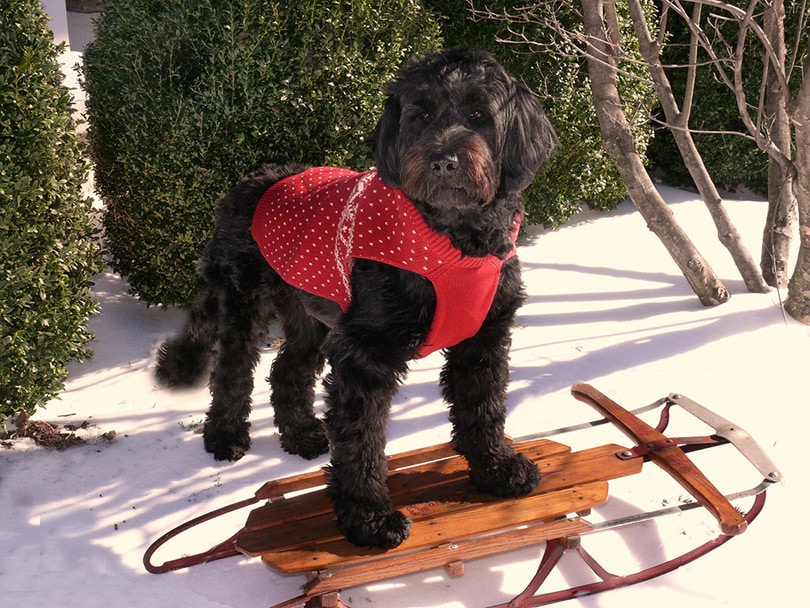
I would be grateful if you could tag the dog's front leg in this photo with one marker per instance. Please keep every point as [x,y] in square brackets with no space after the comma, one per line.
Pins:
[363,379]
[474,381]
[359,401]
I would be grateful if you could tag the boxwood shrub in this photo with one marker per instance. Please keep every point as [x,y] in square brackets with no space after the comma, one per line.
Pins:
[48,254]
[184,98]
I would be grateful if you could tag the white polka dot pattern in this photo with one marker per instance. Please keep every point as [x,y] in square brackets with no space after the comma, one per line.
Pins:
[311,226]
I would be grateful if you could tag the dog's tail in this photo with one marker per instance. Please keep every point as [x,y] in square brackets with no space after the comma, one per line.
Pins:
[185,359]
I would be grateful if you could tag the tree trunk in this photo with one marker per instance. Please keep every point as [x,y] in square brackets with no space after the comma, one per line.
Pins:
[617,139]
[678,122]
[798,300]
[778,230]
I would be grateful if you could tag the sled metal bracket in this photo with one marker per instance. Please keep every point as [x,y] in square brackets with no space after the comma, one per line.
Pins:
[731,433]
[666,453]
[651,446]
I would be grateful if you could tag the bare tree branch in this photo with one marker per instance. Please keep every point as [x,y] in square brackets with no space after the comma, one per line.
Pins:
[795,54]
[603,58]
[742,16]
[726,231]
[691,75]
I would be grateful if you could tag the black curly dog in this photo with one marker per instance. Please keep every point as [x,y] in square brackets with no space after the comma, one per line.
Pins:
[461,138]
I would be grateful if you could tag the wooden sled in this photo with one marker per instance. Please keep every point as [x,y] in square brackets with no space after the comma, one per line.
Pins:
[294,531]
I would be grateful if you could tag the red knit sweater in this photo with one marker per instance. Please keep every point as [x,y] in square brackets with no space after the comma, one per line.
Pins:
[312,225]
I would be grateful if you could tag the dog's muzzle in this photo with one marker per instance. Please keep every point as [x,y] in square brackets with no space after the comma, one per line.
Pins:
[454,172]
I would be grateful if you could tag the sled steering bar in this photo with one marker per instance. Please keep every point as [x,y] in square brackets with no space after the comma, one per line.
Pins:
[671,458]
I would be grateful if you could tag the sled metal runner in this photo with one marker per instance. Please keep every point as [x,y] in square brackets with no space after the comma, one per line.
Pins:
[294,531]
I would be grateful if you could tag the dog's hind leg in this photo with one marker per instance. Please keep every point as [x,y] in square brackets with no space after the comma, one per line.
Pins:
[293,376]
[184,359]
[244,315]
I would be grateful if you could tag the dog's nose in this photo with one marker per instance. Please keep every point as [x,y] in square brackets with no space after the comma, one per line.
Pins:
[445,166]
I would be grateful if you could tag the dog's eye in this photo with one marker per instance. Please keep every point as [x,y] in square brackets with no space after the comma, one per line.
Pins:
[423,116]
[476,115]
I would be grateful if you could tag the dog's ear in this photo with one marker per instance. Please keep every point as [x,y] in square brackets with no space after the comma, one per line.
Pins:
[383,140]
[529,140]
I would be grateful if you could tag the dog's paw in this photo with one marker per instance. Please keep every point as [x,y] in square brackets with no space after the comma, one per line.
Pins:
[507,477]
[308,441]
[226,445]
[381,529]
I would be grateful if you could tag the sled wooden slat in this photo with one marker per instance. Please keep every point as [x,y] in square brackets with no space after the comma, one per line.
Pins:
[444,483]
[305,481]
[435,522]
[438,529]
[334,579]
[299,534]
[440,467]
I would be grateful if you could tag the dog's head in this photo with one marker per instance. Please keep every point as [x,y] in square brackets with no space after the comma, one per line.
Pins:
[457,130]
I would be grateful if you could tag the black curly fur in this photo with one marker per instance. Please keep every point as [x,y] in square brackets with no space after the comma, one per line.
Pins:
[458,105]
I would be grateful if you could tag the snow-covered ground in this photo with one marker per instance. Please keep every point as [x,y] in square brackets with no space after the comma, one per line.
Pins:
[606,306]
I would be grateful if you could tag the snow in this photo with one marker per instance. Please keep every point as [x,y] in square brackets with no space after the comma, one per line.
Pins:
[606,306]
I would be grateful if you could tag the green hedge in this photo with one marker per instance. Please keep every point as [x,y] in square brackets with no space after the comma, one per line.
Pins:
[580,172]
[184,98]
[48,254]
